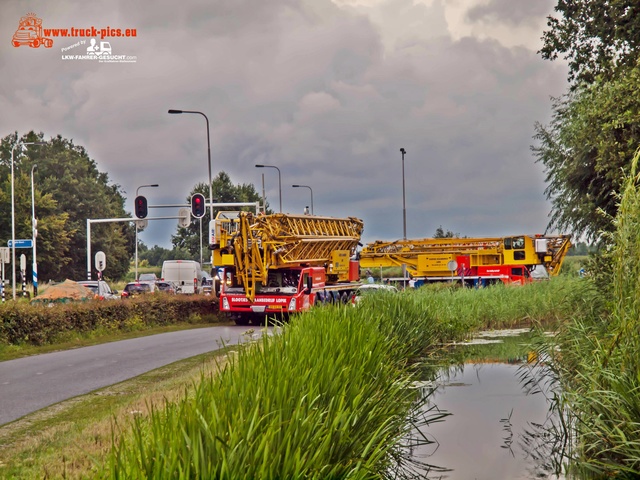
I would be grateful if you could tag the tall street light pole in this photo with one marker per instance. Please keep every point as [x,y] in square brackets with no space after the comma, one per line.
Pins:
[279,180]
[136,222]
[404,219]
[13,218]
[34,234]
[404,205]
[310,189]
[208,155]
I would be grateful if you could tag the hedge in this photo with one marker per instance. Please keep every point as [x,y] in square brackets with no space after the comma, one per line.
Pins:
[24,323]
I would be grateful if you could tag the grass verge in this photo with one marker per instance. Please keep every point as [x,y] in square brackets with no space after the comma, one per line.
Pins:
[66,440]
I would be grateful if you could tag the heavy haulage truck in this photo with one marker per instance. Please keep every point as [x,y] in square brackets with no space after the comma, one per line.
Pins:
[276,265]
[471,261]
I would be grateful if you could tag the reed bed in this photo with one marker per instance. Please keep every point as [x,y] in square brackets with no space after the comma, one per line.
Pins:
[325,398]
[598,367]
[329,396]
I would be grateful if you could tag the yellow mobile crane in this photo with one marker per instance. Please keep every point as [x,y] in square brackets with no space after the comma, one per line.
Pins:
[281,263]
[470,260]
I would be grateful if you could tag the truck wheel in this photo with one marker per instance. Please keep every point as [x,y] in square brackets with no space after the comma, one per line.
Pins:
[48,43]
[35,43]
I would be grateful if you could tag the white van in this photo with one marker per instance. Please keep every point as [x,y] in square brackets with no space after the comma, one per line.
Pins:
[186,275]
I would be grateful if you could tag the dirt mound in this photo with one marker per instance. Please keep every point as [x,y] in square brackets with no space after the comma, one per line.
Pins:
[67,291]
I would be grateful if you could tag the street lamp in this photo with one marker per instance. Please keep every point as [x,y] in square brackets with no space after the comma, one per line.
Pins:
[13,219]
[310,189]
[34,264]
[136,222]
[404,219]
[404,205]
[208,154]
[279,180]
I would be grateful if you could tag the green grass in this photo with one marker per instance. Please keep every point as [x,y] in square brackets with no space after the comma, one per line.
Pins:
[66,440]
[326,398]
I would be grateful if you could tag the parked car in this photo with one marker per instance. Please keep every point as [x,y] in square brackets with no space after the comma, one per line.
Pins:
[134,289]
[206,283]
[147,277]
[166,287]
[100,288]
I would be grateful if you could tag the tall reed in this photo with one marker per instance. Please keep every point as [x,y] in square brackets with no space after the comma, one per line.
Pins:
[325,398]
[599,363]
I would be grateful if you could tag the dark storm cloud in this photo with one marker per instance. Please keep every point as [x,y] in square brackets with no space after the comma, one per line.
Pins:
[327,94]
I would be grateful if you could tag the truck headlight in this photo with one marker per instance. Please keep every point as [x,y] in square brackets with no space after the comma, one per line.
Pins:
[292,305]
[225,303]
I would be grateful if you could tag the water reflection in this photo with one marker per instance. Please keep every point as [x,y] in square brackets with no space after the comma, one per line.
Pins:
[499,421]
[493,427]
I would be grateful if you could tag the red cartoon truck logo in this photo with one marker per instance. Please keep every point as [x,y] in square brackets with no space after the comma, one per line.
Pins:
[30,33]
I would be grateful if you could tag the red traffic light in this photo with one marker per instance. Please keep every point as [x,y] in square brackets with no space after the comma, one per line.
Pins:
[197,205]
[140,203]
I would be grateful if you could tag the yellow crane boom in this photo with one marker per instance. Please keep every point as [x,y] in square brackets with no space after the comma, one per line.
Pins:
[429,256]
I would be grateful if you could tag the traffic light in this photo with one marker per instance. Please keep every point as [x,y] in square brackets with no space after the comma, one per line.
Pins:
[141,209]
[197,205]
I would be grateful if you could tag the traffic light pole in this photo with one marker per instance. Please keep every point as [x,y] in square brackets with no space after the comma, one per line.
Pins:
[110,220]
[178,205]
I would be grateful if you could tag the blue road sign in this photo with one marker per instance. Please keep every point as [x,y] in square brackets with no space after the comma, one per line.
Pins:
[22,243]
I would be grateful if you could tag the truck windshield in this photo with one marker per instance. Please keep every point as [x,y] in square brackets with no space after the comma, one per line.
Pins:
[283,278]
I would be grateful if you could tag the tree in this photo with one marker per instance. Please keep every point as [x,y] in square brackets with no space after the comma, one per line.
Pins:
[69,189]
[587,149]
[224,191]
[598,37]
[440,233]
[157,255]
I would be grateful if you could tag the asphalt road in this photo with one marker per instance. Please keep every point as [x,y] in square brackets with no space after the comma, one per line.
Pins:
[31,383]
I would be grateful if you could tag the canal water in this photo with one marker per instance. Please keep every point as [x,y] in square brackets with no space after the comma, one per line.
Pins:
[496,427]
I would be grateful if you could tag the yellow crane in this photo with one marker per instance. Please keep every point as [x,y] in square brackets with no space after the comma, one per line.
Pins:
[254,247]
[504,258]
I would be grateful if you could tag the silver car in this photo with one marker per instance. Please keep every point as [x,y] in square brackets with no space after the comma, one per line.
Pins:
[101,289]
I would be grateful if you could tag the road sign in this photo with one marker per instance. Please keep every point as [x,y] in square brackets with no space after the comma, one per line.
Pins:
[21,243]
[5,254]
[23,263]
[142,224]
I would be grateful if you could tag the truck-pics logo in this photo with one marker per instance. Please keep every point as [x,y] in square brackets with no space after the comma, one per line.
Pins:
[30,33]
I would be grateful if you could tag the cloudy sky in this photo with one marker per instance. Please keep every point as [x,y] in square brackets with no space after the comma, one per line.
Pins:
[326,90]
